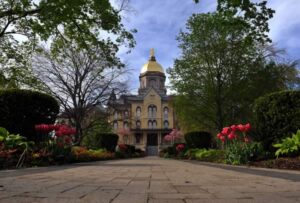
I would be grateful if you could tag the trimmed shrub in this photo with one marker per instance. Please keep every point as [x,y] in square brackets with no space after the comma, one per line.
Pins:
[197,139]
[277,115]
[21,110]
[108,141]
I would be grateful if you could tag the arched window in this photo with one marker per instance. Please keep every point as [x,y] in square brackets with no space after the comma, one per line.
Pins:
[166,113]
[115,125]
[166,124]
[150,126]
[152,111]
[138,111]
[138,124]
[154,124]
[116,115]
[126,114]
[126,125]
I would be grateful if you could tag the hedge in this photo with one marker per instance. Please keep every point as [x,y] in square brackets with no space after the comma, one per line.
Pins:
[277,115]
[198,139]
[108,141]
[21,110]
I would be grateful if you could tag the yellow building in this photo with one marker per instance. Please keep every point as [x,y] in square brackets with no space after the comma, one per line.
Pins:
[144,119]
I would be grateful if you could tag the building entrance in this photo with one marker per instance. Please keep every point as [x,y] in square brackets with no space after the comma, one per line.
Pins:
[152,144]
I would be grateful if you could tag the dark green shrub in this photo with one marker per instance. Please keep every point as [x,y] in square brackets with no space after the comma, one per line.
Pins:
[171,150]
[21,110]
[108,141]
[277,115]
[130,149]
[199,139]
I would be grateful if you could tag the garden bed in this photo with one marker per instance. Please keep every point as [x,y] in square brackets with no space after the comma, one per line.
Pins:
[291,163]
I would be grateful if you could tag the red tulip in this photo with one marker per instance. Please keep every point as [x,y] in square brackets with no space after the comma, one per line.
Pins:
[241,128]
[233,127]
[247,127]
[222,138]
[226,131]
[219,135]
[231,136]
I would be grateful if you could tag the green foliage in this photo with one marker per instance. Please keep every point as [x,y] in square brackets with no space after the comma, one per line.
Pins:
[289,146]
[198,139]
[13,145]
[83,22]
[239,152]
[277,115]
[91,136]
[21,110]
[210,155]
[107,141]
[255,13]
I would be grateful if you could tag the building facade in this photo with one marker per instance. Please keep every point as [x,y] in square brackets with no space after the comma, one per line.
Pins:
[144,119]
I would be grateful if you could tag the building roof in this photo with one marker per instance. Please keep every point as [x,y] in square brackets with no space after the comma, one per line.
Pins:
[152,65]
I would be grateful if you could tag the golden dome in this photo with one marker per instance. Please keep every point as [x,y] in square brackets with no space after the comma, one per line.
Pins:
[152,65]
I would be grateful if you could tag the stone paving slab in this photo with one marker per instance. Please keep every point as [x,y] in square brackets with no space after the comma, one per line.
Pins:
[149,180]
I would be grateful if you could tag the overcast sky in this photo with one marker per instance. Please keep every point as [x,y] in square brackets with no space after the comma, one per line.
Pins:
[159,21]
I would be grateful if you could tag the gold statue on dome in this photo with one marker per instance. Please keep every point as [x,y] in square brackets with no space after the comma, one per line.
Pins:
[151,52]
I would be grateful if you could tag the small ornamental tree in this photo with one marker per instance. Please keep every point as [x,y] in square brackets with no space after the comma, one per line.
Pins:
[125,133]
[174,135]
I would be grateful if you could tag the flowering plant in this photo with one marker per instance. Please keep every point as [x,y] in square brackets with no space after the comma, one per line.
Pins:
[62,134]
[180,148]
[173,135]
[238,148]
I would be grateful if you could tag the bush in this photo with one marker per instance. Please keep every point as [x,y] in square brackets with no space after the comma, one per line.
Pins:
[277,115]
[210,155]
[199,139]
[107,141]
[21,110]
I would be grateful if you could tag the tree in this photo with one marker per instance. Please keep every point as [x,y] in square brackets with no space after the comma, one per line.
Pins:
[220,72]
[255,14]
[81,80]
[23,24]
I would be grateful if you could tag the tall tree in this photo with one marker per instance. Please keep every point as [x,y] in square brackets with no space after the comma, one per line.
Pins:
[23,23]
[81,80]
[220,71]
[255,14]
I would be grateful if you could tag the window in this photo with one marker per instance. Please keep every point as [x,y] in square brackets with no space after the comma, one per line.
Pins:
[166,124]
[152,83]
[138,138]
[115,125]
[126,125]
[152,111]
[126,114]
[138,124]
[166,113]
[154,124]
[138,111]
[150,124]
[116,115]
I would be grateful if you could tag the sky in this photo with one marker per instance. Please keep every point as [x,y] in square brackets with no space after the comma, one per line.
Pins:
[158,22]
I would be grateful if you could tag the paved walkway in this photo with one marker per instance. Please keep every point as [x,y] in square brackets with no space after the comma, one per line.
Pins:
[148,180]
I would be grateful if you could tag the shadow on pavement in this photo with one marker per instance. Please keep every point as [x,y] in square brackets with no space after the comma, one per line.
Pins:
[253,171]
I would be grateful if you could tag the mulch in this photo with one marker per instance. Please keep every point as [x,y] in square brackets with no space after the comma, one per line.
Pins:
[292,163]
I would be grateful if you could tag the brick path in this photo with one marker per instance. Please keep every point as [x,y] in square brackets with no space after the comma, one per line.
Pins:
[148,180]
